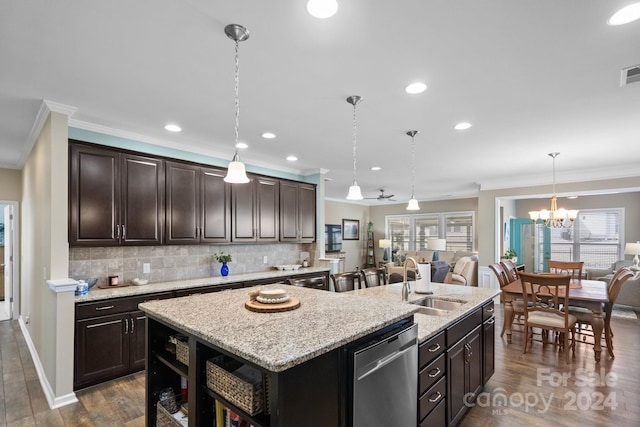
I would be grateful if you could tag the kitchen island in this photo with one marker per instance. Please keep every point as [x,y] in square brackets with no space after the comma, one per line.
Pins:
[298,352]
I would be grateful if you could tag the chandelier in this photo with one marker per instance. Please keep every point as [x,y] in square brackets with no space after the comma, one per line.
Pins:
[554,218]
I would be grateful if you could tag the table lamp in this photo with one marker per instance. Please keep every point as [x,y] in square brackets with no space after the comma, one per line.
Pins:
[633,249]
[436,245]
[385,244]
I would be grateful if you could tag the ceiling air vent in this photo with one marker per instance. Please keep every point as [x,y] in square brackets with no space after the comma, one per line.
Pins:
[630,75]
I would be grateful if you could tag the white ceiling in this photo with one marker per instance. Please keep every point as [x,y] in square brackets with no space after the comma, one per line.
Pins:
[532,76]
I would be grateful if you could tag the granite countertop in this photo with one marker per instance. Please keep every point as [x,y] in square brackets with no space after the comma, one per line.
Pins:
[278,341]
[429,325]
[97,294]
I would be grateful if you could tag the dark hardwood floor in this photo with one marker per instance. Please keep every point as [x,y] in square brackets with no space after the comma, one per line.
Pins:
[531,384]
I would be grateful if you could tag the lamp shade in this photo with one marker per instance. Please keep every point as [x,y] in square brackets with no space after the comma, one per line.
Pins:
[236,173]
[384,243]
[354,192]
[437,244]
[413,205]
[632,248]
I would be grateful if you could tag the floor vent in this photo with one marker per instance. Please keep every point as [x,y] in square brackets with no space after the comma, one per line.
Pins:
[630,75]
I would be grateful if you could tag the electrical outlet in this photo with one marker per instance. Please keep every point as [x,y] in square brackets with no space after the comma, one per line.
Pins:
[265,259]
[146,268]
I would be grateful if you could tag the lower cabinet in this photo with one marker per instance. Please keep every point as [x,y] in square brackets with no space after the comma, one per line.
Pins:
[488,341]
[464,363]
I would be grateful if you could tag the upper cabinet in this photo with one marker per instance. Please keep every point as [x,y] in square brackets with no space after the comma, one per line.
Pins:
[115,198]
[297,212]
[118,197]
[198,204]
[255,207]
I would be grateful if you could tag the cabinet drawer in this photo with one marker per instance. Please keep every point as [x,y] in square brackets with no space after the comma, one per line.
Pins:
[431,373]
[115,305]
[430,349]
[487,311]
[433,397]
[437,417]
[463,327]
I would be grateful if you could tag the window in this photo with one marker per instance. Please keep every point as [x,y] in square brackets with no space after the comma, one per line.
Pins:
[596,238]
[410,232]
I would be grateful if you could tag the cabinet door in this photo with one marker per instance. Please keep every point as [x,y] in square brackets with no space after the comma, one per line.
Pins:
[101,349]
[456,381]
[474,365]
[136,331]
[488,350]
[267,209]
[243,223]
[94,194]
[215,206]
[307,204]
[142,201]
[183,201]
[289,227]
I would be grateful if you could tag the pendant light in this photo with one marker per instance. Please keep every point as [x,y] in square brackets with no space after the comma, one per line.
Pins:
[413,203]
[236,173]
[354,190]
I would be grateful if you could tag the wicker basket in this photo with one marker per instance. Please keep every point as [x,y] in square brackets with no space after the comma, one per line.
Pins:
[182,352]
[242,387]
[164,410]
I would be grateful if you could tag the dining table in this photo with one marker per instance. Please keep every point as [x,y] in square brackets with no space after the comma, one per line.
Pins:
[590,294]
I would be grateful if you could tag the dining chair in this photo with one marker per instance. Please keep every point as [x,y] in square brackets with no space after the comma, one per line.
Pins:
[510,270]
[544,296]
[344,282]
[572,268]
[585,316]
[374,277]
[504,280]
[397,277]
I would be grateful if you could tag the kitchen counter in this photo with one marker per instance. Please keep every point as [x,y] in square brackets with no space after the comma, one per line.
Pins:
[429,325]
[278,341]
[97,294]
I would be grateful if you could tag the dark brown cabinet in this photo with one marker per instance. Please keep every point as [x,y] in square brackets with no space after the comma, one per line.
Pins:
[297,212]
[109,339]
[464,367]
[255,208]
[115,198]
[198,204]
[488,342]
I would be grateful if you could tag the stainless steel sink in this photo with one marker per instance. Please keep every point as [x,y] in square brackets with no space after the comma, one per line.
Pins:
[436,307]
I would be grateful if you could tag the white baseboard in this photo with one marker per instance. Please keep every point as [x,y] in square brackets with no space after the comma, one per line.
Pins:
[53,400]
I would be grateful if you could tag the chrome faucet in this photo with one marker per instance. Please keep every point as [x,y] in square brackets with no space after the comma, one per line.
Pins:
[406,289]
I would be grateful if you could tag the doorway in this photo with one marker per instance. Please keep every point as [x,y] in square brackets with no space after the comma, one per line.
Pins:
[8,260]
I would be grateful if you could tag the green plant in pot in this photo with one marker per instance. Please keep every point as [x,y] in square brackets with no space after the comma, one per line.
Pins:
[510,254]
[224,259]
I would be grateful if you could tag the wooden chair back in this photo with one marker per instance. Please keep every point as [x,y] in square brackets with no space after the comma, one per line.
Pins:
[498,270]
[545,293]
[572,268]
[374,277]
[618,279]
[344,282]
[510,270]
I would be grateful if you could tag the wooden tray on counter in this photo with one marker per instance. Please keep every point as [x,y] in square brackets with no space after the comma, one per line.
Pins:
[259,307]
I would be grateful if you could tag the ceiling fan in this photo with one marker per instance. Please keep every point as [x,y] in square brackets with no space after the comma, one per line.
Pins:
[382,196]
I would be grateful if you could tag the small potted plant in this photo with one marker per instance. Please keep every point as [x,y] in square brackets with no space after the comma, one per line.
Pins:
[224,259]
[510,254]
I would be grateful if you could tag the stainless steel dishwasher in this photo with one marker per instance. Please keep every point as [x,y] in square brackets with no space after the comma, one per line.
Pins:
[384,371]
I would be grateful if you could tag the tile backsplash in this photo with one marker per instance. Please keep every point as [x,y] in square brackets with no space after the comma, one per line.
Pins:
[180,262]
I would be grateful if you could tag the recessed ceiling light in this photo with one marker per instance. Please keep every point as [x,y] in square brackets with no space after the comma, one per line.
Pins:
[173,128]
[625,15]
[462,126]
[292,158]
[322,8]
[375,168]
[268,135]
[414,88]
[241,145]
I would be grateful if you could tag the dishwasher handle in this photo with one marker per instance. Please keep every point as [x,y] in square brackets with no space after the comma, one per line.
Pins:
[381,363]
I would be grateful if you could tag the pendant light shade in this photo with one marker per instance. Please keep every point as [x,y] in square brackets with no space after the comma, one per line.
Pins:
[354,190]
[413,203]
[236,173]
